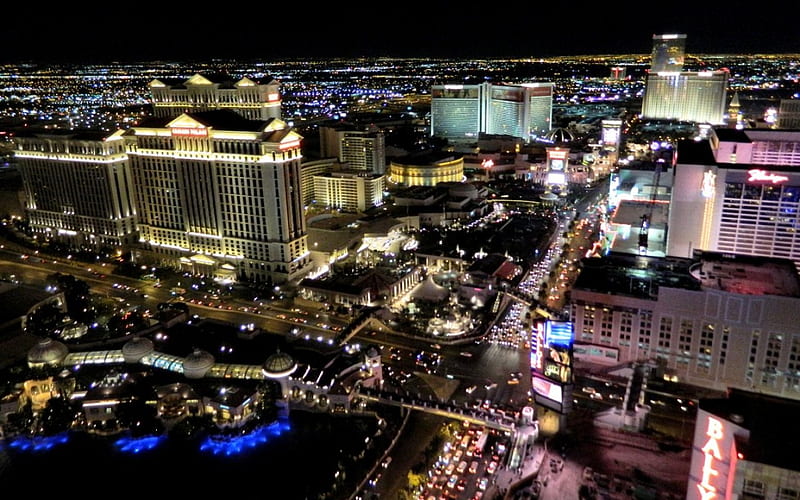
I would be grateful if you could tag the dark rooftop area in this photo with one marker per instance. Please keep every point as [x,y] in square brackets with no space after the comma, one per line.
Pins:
[635,275]
[769,419]
[695,153]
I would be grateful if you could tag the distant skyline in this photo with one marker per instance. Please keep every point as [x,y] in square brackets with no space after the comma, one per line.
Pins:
[294,30]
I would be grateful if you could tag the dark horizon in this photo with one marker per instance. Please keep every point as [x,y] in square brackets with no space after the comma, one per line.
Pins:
[436,32]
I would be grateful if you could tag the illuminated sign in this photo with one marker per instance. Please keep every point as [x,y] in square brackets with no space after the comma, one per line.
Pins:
[758,175]
[709,179]
[189,132]
[556,178]
[538,347]
[547,389]
[559,333]
[487,163]
[273,97]
[558,154]
[290,144]
[711,455]
[610,136]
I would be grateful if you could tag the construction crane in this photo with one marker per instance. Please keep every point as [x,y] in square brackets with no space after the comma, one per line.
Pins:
[647,218]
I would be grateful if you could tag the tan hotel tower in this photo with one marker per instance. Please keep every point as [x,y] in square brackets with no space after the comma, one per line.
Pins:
[220,195]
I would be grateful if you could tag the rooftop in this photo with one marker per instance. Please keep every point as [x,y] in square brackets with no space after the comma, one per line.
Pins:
[767,418]
[747,274]
[641,276]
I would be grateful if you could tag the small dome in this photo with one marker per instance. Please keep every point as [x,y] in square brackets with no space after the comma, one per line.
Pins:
[47,352]
[137,348]
[278,365]
[197,364]
[560,134]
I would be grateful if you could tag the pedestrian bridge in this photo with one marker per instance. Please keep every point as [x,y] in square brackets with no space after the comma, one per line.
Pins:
[446,409]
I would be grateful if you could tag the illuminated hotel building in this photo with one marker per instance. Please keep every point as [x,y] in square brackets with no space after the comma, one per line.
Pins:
[738,192]
[668,53]
[310,169]
[77,187]
[674,94]
[687,96]
[463,112]
[789,114]
[251,99]
[220,195]
[349,191]
[458,111]
[745,446]
[363,150]
[716,321]
[428,169]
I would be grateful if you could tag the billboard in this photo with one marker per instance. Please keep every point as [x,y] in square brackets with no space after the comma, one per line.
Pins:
[561,333]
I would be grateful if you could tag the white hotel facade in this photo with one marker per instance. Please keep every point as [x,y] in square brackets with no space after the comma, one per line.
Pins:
[77,187]
[716,321]
[220,194]
[738,192]
[210,184]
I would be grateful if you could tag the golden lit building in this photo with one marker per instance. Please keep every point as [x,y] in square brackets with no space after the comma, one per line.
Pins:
[220,195]
[250,99]
[427,169]
[77,187]
[350,191]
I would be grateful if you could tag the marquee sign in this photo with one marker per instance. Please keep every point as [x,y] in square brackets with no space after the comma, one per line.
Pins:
[709,181]
[711,458]
[758,175]
[189,132]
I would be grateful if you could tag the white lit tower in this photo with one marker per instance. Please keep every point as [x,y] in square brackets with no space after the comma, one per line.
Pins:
[220,195]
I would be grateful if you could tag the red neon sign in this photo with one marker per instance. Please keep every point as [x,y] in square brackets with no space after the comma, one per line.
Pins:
[189,132]
[290,144]
[711,454]
[758,175]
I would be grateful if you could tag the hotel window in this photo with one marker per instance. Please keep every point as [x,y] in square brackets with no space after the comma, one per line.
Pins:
[753,489]
[773,354]
[645,329]
[751,361]
[606,325]
[723,351]
[665,334]
[787,494]
[793,365]
[705,348]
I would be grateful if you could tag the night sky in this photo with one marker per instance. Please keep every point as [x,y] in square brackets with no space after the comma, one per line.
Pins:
[275,30]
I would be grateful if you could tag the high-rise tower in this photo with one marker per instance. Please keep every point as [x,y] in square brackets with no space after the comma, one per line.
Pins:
[220,195]
[674,94]
[462,112]
[668,53]
[77,187]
